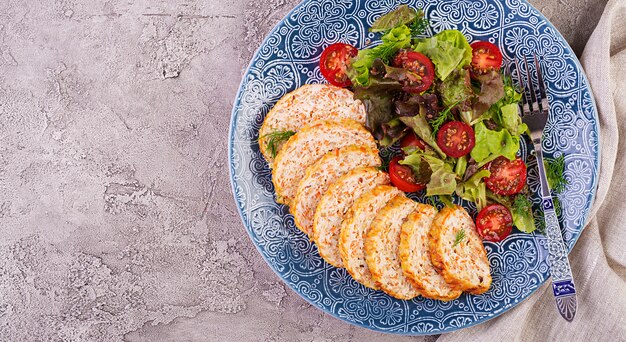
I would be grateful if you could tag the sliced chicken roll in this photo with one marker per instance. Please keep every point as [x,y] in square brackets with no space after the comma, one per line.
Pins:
[310,144]
[381,248]
[415,259]
[322,174]
[355,225]
[303,106]
[457,251]
[335,203]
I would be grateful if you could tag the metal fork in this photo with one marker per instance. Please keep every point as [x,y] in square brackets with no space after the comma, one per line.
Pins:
[535,114]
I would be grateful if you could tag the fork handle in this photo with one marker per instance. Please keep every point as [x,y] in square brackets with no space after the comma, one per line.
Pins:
[563,286]
[545,187]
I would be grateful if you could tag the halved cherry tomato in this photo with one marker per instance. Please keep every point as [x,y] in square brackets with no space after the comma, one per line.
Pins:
[494,222]
[422,70]
[456,139]
[412,140]
[334,61]
[507,177]
[486,57]
[402,176]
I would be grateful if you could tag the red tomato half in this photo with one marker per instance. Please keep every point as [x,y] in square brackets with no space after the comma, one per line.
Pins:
[456,139]
[494,222]
[334,61]
[402,176]
[420,66]
[485,58]
[507,177]
[411,140]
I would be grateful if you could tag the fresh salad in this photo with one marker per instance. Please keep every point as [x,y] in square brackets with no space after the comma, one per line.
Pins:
[453,113]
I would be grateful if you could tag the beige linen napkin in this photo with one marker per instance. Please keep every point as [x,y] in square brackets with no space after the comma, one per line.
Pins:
[599,258]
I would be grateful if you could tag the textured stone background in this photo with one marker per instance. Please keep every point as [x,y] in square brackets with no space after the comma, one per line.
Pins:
[116,215]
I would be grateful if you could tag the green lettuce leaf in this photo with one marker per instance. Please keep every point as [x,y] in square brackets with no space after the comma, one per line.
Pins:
[394,40]
[392,131]
[359,71]
[421,127]
[521,209]
[448,50]
[511,120]
[461,166]
[490,144]
[474,189]
[378,99]
[497,112]
[456,88]
[442,179]
[491,92]
[522,212]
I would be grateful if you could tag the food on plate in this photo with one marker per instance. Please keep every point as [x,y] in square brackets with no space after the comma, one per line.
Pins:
[310,144]
[494,222]
[457,252]
[456,139]
[506,177]
[486,57]
[301,107]
[420,71]
[320,175]
[415,257]
[451,95]
[335,203]
[403,177]
[356,223]
[454,116]
[411,141]
[334,62]
[381,248]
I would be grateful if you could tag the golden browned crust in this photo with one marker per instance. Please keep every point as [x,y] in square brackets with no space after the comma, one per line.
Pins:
[381,248]
[415,259]
[464,266]
[311,143]
[301,107]
[356,223]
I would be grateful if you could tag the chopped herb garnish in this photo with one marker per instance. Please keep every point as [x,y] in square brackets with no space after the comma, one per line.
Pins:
[557,205]
[460,236]
[443,117]
[419,24]
[384,165]
[275,138]
[522,204]
[555,169]
[540,219]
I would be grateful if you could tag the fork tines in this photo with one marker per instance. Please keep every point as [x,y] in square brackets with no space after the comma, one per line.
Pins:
[531,104]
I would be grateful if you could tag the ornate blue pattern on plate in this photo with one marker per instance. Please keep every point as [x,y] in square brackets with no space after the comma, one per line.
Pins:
[288,58]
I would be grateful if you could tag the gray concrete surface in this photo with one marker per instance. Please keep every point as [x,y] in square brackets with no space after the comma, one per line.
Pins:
[116,217]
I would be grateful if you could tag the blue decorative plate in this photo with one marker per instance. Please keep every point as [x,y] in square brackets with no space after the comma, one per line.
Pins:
[288,58]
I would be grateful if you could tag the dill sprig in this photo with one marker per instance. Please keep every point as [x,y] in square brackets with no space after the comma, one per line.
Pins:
[460,236]
[386,52]
[443,117]
[275,138]
[521,203]
[555,169]
[384,165]
[419,24]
